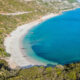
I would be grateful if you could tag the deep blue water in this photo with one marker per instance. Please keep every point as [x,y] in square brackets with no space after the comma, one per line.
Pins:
[55,41]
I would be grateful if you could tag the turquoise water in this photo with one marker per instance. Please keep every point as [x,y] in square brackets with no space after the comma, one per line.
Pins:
[55,41]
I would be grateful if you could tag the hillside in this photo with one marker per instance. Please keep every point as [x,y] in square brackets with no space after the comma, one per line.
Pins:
[67,72]
[8,23]
[24,5]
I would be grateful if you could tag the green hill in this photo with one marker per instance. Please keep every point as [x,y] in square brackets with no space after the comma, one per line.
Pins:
[67,72]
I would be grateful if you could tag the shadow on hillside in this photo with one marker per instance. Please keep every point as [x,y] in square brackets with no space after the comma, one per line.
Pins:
[29,66]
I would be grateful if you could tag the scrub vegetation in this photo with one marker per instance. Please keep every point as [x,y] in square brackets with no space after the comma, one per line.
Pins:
[59,72]
[9,22]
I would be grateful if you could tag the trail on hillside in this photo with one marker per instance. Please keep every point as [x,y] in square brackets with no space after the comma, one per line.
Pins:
[17,13]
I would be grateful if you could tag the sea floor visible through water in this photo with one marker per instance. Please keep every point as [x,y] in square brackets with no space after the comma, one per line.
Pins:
[56,40]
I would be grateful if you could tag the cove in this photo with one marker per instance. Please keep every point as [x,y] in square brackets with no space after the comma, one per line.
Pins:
[56,40]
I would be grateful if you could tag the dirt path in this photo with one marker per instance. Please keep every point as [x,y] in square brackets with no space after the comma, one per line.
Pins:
[17,13]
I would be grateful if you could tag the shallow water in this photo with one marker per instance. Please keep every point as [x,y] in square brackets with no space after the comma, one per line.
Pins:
[55,41]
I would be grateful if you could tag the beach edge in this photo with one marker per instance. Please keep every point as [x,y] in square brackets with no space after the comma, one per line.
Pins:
[12,43]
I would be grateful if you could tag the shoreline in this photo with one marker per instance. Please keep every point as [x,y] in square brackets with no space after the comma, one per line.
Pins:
[13,45]
[16,36]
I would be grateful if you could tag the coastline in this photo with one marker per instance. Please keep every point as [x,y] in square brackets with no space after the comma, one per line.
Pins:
[13,46]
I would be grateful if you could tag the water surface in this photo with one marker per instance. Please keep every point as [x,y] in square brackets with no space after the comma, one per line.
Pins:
[55,41]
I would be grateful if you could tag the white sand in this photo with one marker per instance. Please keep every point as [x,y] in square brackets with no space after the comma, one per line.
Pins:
[13,41]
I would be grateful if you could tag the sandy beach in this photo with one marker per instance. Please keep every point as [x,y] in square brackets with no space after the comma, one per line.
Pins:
[12,44]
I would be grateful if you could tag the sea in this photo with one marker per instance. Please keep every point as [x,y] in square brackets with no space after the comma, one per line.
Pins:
[56,40]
